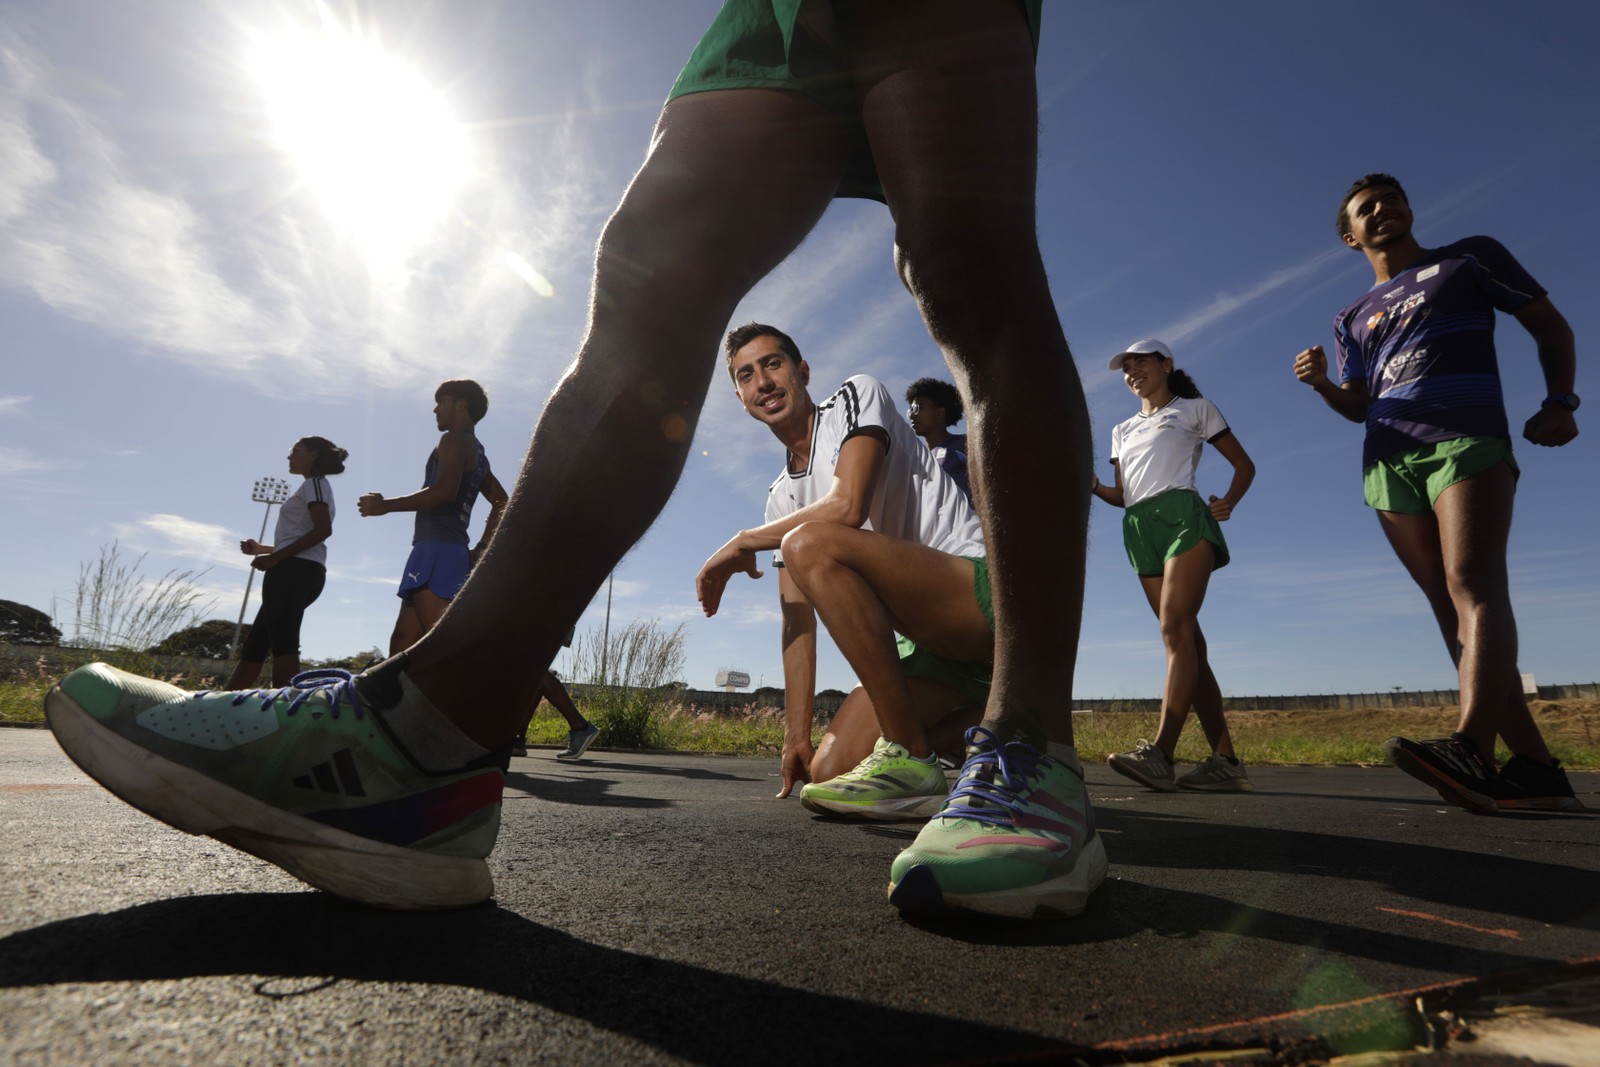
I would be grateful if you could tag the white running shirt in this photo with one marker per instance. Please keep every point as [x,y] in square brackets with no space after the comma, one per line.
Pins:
[914,499]
[1160,451]
[294,518]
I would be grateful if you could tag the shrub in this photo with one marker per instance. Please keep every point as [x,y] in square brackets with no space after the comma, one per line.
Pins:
[22,625]
[206,640]
[628,674]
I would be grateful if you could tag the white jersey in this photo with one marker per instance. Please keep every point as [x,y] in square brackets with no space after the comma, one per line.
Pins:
[913,500]
[294,518]
[1160,451]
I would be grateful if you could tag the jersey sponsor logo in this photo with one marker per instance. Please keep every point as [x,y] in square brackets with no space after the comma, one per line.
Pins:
[1392,293]
[1377,318]
[1424,275]
[1411,302]
[414,576]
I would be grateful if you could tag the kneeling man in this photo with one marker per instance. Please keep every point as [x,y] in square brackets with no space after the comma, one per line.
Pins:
[874,537]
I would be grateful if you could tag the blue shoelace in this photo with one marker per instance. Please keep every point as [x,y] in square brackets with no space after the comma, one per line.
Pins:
[337,684]
[994,777]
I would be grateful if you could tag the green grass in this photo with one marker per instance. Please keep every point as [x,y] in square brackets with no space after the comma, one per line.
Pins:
[1572,728]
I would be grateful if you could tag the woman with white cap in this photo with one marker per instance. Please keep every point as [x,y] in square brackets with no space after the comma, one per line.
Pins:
[1174,543]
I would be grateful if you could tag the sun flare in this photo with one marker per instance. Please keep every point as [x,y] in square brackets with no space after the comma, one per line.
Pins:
[370,138]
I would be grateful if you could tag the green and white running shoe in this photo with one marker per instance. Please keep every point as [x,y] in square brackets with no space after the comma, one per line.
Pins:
[889,784]
[305,777]
[1016,838]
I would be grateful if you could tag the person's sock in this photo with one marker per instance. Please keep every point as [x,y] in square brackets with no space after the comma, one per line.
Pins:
[422,729]
[1062,752]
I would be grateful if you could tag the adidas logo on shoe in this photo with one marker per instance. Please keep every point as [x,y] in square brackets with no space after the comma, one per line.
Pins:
[331,776]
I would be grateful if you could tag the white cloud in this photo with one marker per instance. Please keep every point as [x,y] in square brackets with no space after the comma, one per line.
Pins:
[23,461]
[232,277]
[1225,304]
[8,404]
[186,538]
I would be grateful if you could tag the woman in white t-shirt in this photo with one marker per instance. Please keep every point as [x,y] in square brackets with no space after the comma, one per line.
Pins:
[294,566]
[1174,543]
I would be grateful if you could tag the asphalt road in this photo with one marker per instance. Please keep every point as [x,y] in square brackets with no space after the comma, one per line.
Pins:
[665,909]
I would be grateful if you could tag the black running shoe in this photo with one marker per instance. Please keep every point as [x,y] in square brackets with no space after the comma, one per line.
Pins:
[1452,765]
[1525,784]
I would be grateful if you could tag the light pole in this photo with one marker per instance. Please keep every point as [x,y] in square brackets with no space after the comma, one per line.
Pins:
[268,491]
[605,636]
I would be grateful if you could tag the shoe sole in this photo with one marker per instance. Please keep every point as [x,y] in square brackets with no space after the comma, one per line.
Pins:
[903,809]
[569,754]
[1448,788]
[1541,804]
[1233,785]
[1160,785]
[341,863]
[918,892]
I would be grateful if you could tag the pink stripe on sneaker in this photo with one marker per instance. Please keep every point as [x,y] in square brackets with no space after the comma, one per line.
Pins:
[1055,804]
[1006,839]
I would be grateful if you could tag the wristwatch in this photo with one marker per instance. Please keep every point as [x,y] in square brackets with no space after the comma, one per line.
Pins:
[1567,400]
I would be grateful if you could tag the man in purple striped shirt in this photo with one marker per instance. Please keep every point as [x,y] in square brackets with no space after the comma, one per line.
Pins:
[1417,365]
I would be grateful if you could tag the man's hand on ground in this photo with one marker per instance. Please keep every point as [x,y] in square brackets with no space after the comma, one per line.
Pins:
[796,766]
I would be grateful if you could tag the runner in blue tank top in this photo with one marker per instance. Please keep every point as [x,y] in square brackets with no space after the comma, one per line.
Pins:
[456,474]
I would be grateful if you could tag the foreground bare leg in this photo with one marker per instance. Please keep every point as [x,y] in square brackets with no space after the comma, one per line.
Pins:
[951,110]
[733,181]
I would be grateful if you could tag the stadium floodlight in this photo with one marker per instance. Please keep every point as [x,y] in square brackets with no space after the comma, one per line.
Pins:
[268,491]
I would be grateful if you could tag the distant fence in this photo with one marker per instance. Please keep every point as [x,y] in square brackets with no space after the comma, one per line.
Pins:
[1418,698]
[828,703]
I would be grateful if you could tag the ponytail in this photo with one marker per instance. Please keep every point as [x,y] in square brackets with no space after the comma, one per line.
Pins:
[330,457]
[1182,385]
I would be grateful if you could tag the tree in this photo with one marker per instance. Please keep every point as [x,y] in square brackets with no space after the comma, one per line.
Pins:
[22,625]
[206,640]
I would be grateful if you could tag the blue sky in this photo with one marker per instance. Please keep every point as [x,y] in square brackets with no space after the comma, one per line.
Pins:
[190,280]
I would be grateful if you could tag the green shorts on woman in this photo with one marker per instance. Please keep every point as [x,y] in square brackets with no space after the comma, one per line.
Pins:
[1165,527]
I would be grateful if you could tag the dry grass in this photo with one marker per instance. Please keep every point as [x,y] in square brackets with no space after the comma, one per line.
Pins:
[1571,727]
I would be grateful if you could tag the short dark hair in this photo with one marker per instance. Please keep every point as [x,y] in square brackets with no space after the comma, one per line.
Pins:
[330,457]
[742,335]
[942,393]
[468,390]
[1366,181]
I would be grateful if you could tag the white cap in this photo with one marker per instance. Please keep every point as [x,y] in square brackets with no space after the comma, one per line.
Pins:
[1148,347]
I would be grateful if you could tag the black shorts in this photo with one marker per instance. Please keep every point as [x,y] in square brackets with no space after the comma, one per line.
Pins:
[286,591]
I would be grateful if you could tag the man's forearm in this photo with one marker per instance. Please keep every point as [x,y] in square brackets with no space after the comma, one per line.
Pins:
[1352,405]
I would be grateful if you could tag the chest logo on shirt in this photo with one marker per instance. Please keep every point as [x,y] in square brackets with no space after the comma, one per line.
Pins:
[1409,304]
[1377,318]
[1424,275]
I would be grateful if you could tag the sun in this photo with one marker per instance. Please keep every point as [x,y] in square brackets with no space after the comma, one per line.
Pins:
[368,135]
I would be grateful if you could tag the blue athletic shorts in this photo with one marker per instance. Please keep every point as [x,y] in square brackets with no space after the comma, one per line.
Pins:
[437,566]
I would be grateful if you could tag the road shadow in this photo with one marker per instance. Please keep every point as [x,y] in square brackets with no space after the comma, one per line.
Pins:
[696,1014]
[1508,885]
